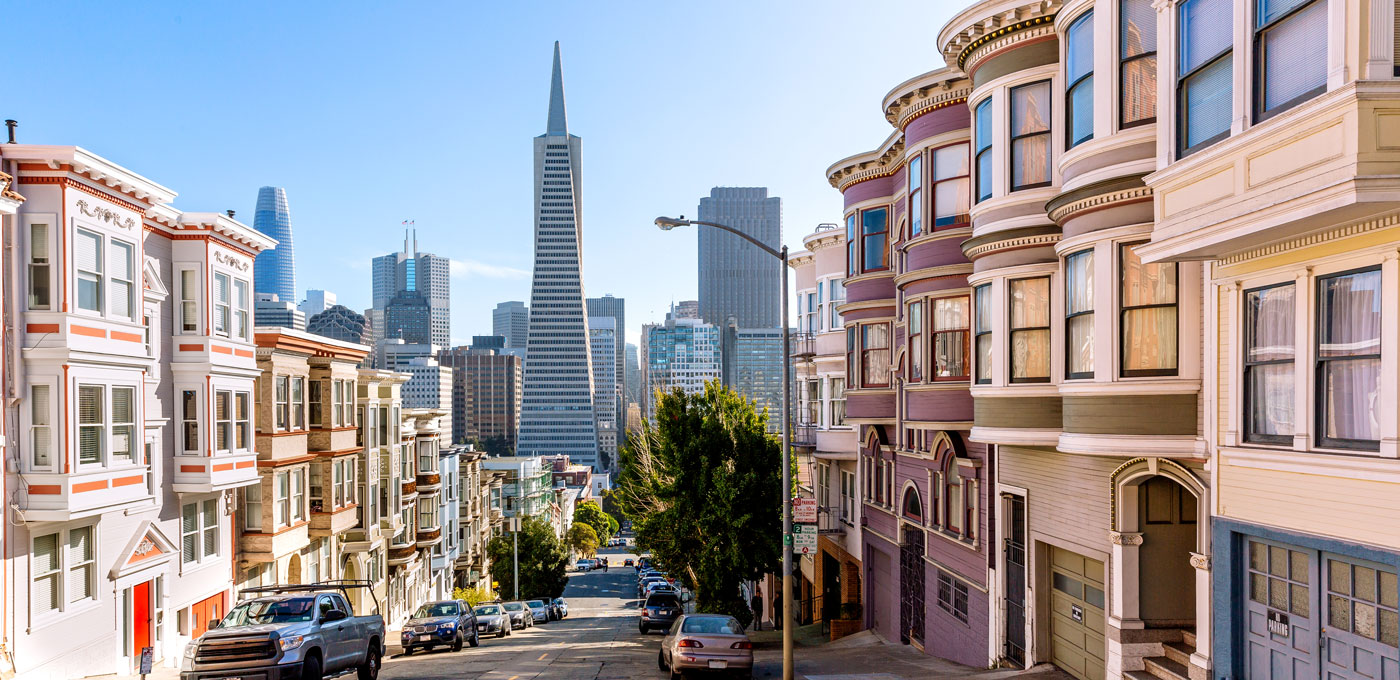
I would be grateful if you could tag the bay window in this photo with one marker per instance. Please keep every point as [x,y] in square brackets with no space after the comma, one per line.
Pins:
[983,341]
[1079,71]
[1290,54]
[282,500]
[852,246]
[338,406]
[199,531]
[875,355]
[1137,62]
[242,422]
[1030,136]
[837,293]
[189,420]
[1148,329]
[951,193]
[852,374]
[223,420]
[950,330]
[252,507]
[40,427]
[189,301]
[124,425]
[1204,74]
[916,341]
[281,405]
[811,314]
[298,403]
[315,407]
[916,196]
[1349,359]
[1030,329]
[40,267]
[838,403]
[122,288]
[91,424]
[221,304]
[1269,355]
[298,494]
[875,231]
[87,263]
[983,116]
[1079,315]
[240,310]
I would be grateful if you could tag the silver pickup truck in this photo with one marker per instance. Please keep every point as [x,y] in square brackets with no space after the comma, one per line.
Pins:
[302,632]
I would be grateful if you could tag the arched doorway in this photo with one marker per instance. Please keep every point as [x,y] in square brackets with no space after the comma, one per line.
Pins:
[1167,521]
[911,585]
[294,569]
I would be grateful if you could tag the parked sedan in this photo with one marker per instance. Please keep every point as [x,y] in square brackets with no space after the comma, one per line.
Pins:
[447,622]
[708,642]
[539,610]
[583,565]
[562,606]
[520,616]
[659,611]
[492,618]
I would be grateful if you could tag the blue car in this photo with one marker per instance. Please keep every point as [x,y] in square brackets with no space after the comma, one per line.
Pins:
[449,623]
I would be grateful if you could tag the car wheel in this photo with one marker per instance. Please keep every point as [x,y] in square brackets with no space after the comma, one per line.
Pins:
[457,642]
[311,668]
[660,660]
[642,627]
[407,650]
[369,670]
[502,632]
[675,674]
[429,649]
[476,640]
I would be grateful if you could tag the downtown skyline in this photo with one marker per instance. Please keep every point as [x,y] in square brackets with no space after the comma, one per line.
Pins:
[476,212]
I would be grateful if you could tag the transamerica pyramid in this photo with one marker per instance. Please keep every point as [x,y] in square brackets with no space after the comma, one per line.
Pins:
[557,414]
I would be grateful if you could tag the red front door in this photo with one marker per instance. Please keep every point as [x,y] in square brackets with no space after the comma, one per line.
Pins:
[140,618]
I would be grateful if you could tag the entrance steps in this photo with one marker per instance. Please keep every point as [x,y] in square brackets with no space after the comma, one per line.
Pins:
[1174,662]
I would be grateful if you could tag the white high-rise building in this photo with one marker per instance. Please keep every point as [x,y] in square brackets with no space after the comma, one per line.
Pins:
[607,389]
[425,273]
[683,352]
[316,301]
[557,414]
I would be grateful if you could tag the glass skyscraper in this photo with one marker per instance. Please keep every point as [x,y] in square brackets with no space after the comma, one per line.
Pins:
[275,270]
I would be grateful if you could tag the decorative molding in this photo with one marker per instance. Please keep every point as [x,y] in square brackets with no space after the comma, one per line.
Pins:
[1013,33]
[1012,244]
[1135,195]
[1199,561]
[925,100]
[144,547]
[888,163]
[106,215]
[1313,239]
[231,261]
[1125,538]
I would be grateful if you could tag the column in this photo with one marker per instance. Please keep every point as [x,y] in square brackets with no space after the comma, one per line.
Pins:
[1200,659]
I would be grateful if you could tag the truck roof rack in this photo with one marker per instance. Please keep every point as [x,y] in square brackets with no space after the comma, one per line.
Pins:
[341,585]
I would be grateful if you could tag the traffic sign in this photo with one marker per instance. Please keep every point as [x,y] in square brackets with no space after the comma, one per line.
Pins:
[804,539]
[804,510]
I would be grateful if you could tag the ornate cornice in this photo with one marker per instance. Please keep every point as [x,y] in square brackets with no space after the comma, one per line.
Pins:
[957,269]
[980,23]
[1064,211]
[925,100]
[884,165]
[1199,561]
[106,215]
[1030,30]
[1314,239]
[1011,244]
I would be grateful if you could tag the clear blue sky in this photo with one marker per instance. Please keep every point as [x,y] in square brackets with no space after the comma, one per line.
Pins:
[374,113]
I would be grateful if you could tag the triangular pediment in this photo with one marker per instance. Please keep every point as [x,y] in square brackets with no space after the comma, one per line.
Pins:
[151,281]
[147,547]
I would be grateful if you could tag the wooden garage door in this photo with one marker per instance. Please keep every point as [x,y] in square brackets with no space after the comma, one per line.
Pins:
[1076,618]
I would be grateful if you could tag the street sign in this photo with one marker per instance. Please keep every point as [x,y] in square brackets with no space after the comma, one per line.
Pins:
[804,539]
[804,510]
[147,657]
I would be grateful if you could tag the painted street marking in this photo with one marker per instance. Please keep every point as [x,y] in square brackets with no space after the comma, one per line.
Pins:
[542,656]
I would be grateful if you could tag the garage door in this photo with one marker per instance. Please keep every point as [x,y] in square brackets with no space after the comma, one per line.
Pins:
[1076,618]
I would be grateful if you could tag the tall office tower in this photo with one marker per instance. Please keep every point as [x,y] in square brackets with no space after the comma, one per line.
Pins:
[316,301]
[685,309]
[486,393]
[511,319]
[616,308]
[558,404]
[270,312]
[753,366]
[682,353]
[275,269]
[409,316]
[607,390]
[632,376]
[425,273]
[495,342]
[736,278]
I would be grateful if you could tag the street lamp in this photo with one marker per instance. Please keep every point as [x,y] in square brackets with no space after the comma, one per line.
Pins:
[669,223]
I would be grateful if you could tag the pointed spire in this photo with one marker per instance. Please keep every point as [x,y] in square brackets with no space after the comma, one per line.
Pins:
[558,120]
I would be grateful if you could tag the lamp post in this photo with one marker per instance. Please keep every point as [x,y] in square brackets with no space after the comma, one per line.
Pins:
[669,223]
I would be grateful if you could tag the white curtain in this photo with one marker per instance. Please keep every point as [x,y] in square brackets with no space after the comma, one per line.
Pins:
[1349,316]
[1270,321]
[1079,302]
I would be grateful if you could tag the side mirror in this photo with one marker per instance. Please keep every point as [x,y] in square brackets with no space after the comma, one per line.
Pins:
[333,615]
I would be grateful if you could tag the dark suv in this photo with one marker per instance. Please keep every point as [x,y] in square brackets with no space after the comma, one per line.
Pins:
[660,611]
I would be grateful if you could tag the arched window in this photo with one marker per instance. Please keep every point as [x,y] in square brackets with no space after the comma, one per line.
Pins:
[912,507]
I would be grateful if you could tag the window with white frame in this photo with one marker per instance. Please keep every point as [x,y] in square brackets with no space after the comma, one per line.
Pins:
[92,425]
[315,407]
[1348,389]
[199,531]
[189,301]
[950,186]
[1149,315]
[837,293]
[282,499]
[950,331]
[298,421]
[811,402]
[848,497]
[915,332]
[253,507]
[221,304]
[122,280]
[1079,73]
[1137,62]
[1031,155]
[983,333]
[1269,354]
[124,445]
[875,355]
[1290,54]
[40,427]
[87,264]
[223,420]
[298,495]
[350,419]
[1204,73]
[189,420]
[281,401]
[983,121]
[63,570]
[337,405]
[40,266]
[1079,314]
[242,421]
[823,486]
[838,403]
[428,514]
[1030,329]
[318,494]
[241,327]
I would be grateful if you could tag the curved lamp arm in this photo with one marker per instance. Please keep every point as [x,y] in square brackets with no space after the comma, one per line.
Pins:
[669,223]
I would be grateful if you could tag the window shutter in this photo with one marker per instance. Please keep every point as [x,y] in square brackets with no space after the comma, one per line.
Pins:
[86,255]
[121,260]
[189,530]
[46,563]
[211,527]
[221,288]
[122,406]
[39,243]
[42,441]
[79,564]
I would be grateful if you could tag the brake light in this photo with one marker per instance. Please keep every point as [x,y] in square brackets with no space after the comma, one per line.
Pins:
[742,644]
[689,643]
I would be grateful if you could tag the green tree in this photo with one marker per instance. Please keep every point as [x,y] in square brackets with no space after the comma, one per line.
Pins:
[582,539]
[592,514]
[701,484]
[543,561]
[474,596]
[497,446]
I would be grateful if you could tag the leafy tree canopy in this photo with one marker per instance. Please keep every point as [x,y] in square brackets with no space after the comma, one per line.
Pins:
[592,514]
[474,596]
[702,486]
[582,539]
[543,561]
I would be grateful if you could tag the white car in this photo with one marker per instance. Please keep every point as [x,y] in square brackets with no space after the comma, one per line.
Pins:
[583,565]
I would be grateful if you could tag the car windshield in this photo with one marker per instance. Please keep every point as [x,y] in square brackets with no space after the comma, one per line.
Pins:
[663,600]
[436,609]
[488,610]
[713,625]
[259,612]
[533,604]
[514,606]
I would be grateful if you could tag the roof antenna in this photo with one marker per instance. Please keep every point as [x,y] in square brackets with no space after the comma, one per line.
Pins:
[11,124]
[230,213]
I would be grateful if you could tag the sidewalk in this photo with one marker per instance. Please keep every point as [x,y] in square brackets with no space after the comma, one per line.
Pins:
[866,656]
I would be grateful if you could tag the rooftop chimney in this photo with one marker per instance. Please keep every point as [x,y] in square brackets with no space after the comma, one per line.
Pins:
[230,213]
[11,125]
